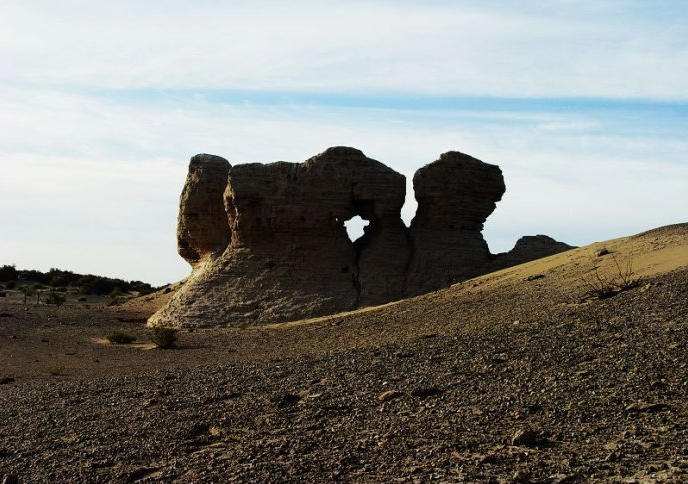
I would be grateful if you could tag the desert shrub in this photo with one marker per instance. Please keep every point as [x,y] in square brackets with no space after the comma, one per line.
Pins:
[164,337]
[27,290]
[605,285]
[96,285]
[8,273]
[34,276]
[55,298]
[62,278]
[11,285]
[82,299]
[120,337]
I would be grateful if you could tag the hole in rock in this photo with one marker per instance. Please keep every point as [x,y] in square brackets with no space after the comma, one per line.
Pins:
[408,210]
[354,227]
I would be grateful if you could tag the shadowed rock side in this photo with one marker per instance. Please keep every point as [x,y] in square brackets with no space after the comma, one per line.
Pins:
[455,196]
[267,242]
[528,248]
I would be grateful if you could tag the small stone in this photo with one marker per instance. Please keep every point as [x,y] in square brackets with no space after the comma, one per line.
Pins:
[288,400]
[476,411]
[526,437]
[611,457]
[564,478]
[10,479]
[488,459]
[521,476]
[389,395]
[6,379]
[426,392]
[646,407]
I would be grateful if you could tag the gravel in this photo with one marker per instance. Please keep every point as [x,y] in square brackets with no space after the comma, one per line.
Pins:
[542,388]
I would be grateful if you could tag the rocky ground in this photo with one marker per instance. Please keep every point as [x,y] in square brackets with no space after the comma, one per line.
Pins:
[502,379]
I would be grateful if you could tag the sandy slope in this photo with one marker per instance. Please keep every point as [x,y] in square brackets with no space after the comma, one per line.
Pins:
[601,383]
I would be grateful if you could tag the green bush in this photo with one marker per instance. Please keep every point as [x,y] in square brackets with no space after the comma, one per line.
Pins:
[120,337]
[164,337]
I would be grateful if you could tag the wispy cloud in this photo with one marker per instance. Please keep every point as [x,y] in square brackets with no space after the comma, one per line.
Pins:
[605,49]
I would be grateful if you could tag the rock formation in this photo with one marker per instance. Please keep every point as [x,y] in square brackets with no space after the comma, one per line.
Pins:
[527,248]
[267,242]
[455,196]
[202,229]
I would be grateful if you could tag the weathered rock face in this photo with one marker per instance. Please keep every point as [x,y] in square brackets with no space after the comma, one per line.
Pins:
[455,196]
[267,242]
[289,255]
[202,228]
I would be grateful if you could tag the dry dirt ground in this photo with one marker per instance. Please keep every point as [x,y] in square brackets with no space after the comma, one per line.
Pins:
[515,376]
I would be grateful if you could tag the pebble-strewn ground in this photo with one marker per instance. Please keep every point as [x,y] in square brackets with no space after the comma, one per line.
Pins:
[518,383]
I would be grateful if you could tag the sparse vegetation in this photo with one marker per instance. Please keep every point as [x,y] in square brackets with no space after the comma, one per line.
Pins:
[63,281]
[27,291]
[55,298]
[115,298]
[120,337]
[8,273]
[164,337]
[605,285]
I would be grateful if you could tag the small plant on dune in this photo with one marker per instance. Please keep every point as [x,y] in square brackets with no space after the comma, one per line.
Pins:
[164,337]
[605,285]
[120,337]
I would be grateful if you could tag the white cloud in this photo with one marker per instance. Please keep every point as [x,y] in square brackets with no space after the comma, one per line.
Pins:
[450,48]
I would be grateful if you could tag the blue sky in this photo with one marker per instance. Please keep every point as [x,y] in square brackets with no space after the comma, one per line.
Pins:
[584,106]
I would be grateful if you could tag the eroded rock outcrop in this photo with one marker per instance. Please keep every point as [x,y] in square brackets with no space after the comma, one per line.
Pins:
[455,196]
[202,228]
[267,242]
[528,248]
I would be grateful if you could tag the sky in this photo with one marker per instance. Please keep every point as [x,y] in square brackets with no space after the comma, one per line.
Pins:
[583,104]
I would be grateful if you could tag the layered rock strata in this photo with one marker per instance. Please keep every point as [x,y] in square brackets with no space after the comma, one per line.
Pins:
[267,242]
